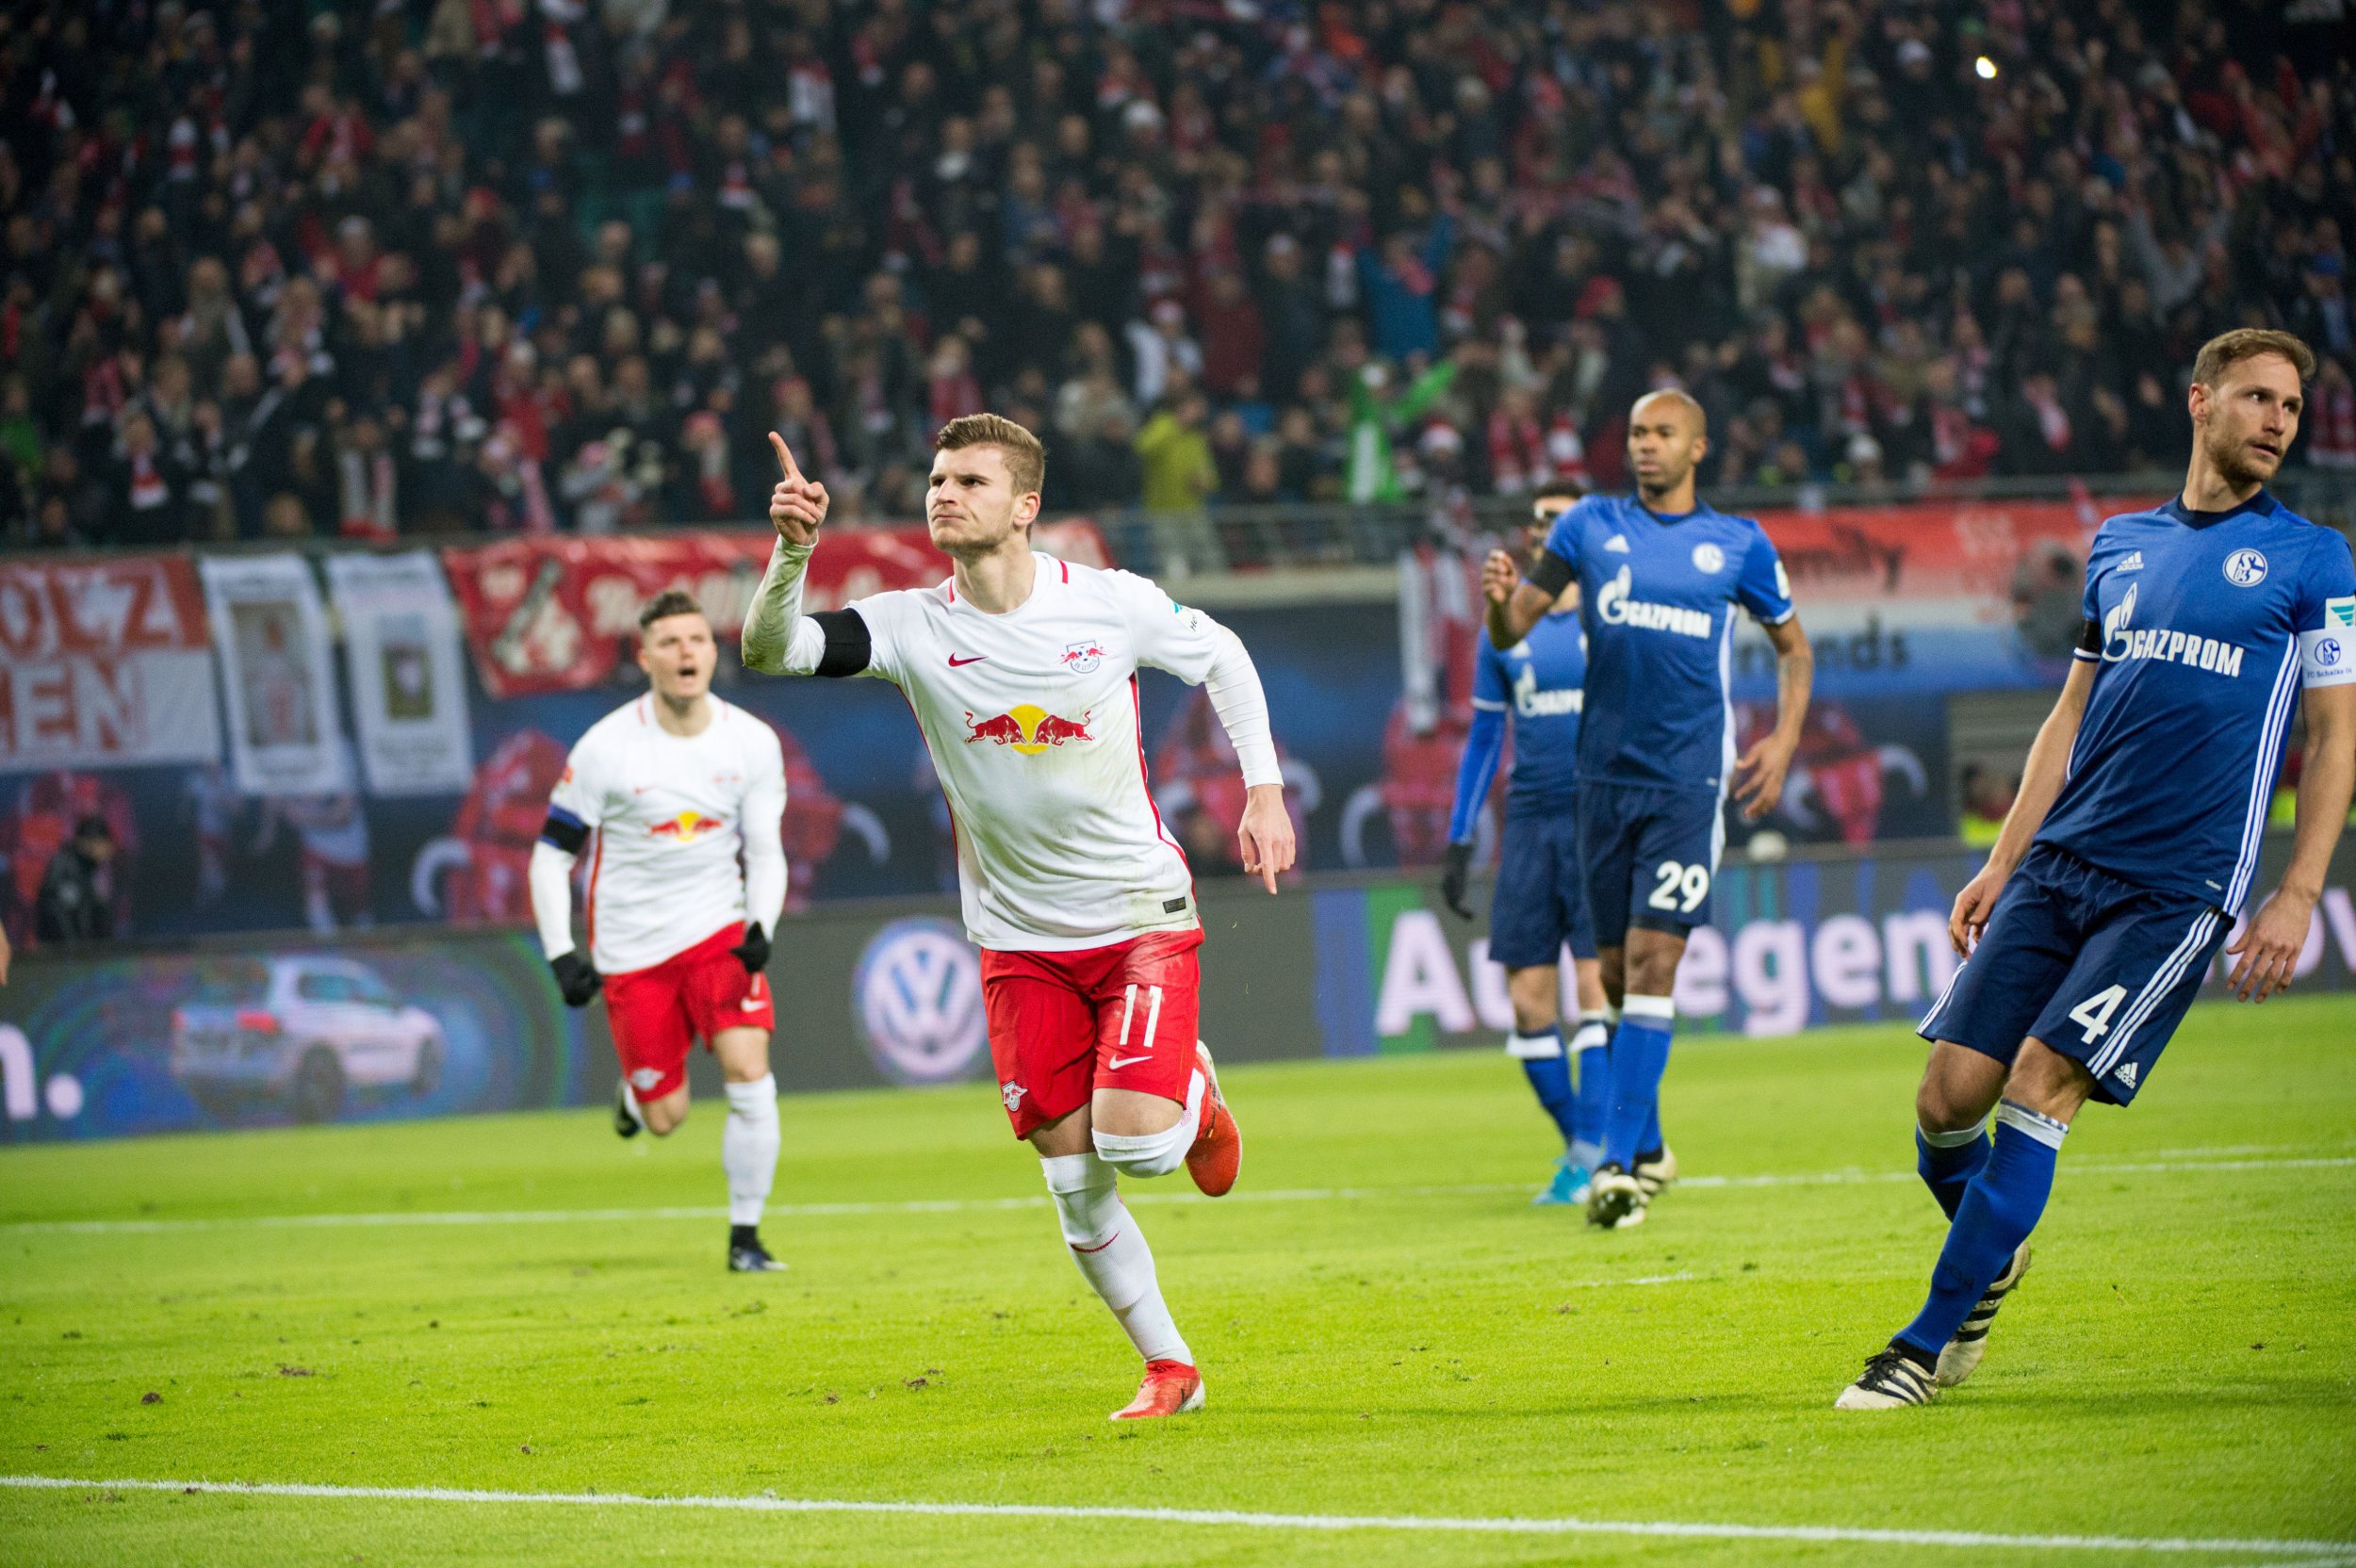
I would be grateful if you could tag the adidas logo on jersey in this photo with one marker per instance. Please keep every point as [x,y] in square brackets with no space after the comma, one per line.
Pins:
[1614,608]
[1617,544]
[2134,562]
[2126,1073]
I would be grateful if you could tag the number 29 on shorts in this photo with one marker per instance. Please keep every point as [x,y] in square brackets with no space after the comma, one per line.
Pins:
[1681,887]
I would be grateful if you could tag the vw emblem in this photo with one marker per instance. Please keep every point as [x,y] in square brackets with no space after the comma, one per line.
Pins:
[2244,568]
[917,997]
[1708,558]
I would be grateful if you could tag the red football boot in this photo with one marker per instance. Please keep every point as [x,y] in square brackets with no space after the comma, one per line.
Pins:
[1170,1388]
[1217,1155]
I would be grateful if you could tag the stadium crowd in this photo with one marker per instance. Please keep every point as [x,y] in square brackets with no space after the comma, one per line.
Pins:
[433,265]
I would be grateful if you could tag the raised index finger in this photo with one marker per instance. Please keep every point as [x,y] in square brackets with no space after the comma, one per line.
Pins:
[785,458]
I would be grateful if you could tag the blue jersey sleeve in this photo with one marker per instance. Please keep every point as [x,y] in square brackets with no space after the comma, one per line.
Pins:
[2325,613]
[1763,588]
[1483,744]
[1562,540]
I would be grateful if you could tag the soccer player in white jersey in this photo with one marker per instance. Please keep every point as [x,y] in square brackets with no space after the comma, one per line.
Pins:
[1021,672]
[676,788]
[2132,845]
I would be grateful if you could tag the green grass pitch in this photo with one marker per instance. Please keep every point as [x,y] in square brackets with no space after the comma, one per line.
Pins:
[1386,1327]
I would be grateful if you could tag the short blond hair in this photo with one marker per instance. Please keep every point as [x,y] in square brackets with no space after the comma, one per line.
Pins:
[2225,349]
[1026,458]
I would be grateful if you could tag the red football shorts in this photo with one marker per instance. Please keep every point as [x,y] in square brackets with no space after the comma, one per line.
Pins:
[656,1013]
[1063,1025]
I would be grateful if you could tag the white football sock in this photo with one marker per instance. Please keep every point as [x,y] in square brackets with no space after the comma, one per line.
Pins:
[748,1147]
[1592,1036]
[1534,1046]
[630,1102]
[1156,1154]
[1112,1254]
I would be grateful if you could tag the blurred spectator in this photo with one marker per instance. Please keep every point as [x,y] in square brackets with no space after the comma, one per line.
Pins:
[76,899]
[499,265]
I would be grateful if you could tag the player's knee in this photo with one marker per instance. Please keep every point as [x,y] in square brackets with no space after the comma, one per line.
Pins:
[1086,1195]
[1145,1153]
[1535,994]
[2045,1080]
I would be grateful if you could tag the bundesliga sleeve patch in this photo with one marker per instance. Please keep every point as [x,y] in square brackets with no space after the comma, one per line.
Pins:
[2327,656]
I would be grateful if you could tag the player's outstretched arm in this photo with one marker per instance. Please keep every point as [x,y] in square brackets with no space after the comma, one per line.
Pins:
[2269,945]
[2041,780]
[776,640]
[1759,772]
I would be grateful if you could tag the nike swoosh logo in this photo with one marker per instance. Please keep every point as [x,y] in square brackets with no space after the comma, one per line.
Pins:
[954,662]
[750,1004]
[1119,1062]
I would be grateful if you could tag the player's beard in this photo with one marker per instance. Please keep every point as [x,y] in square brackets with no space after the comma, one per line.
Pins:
[2229,457]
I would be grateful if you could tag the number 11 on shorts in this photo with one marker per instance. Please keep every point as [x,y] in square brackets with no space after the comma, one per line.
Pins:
[2093,1015]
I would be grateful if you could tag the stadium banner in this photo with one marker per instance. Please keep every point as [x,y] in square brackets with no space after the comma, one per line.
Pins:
[887,992]
[104,663]
[284,1032]
[277,667]
[1942,596]
[408,686]
[1791,944]
[555,613]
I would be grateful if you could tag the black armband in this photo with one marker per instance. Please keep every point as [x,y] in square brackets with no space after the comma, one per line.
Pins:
[1551,574]
[565,831]
[2090,639]
[849,648]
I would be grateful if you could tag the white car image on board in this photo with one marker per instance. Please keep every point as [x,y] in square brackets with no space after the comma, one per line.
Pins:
[300,1032]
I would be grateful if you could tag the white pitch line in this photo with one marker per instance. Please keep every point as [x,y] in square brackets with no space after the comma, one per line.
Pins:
[1233,1518]
[970,1206]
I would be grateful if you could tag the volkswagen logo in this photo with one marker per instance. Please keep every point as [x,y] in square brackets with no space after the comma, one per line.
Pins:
[917,996]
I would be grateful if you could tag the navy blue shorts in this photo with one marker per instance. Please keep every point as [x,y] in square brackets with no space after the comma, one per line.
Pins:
[2096,968]
[1650,857]
[1540,903]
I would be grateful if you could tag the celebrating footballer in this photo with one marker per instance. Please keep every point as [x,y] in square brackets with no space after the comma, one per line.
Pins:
[1021,672]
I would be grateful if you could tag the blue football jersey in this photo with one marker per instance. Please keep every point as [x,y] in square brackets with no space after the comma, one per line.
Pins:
[1540,682]
[1658,597]
[2204,626]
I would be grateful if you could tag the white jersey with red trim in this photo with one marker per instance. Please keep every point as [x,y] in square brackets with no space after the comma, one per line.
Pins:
[1032,720]
[672,814]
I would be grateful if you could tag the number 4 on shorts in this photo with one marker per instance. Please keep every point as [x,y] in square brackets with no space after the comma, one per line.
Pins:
[2093,1015]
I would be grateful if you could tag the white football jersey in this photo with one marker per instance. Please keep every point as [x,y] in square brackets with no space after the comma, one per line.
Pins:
[1032,720]
[669,813]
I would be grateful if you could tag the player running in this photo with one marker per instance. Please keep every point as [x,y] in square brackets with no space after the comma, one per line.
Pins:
[2130,848]
[1539,905]
[1660,576]
[1021,672]
[676,787]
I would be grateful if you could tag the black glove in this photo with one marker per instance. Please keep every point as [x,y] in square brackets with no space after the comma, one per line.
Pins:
[753,952]
[576,977]
[1455,872]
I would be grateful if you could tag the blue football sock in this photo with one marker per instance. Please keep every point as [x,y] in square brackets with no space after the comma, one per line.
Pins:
[1948,1160]
[1999,1210]
[1591,1048]
[1652,1143]
[1549,1069]
[1640,1054]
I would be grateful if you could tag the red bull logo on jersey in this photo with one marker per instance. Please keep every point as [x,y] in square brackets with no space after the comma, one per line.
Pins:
[1083,657]
[687,826]
[1030,731]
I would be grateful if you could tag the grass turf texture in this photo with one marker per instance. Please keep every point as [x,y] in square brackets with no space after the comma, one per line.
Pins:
[2182,1361]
